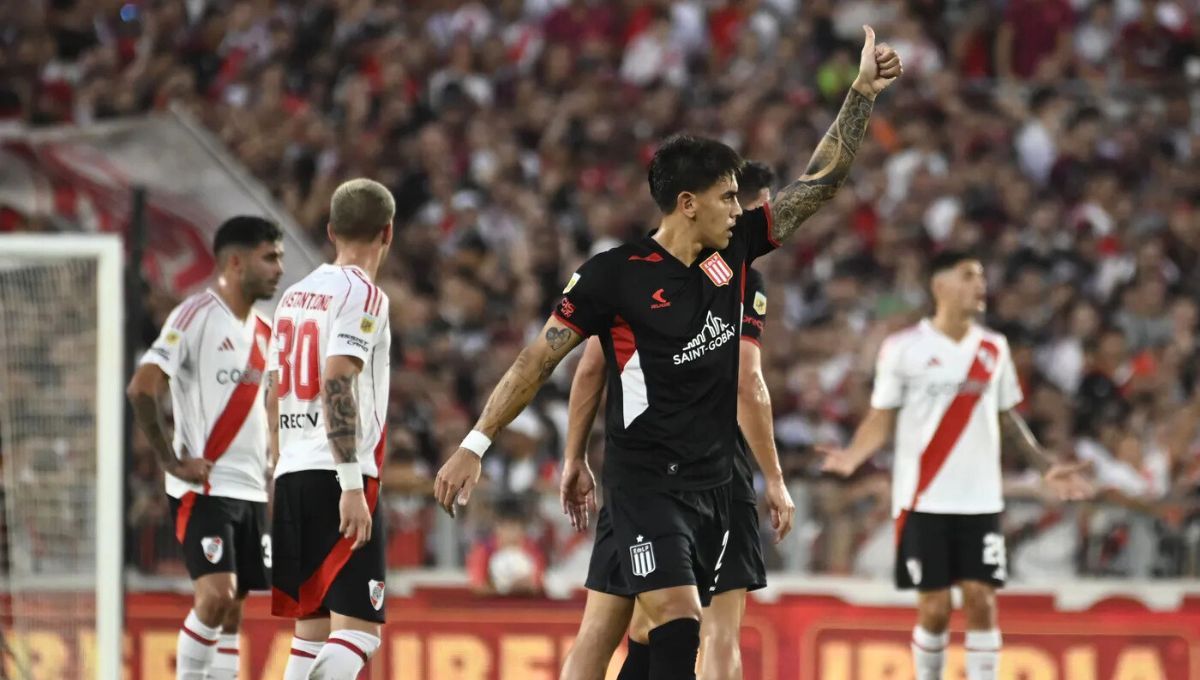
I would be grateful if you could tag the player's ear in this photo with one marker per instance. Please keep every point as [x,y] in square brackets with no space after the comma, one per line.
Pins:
[329,233]
[387,234]
[685,202]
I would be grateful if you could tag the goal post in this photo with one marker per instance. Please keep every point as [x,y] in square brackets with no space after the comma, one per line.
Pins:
[62,456]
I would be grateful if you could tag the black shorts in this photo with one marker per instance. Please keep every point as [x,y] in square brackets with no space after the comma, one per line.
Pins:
[220,535]
[315,571]
[647,540]
[743,566]
[936,551]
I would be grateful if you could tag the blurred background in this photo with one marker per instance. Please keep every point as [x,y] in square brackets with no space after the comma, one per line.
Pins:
[1059,138]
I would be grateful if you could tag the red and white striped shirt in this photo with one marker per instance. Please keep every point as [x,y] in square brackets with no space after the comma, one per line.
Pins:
[949,395]
[216,364]
[334,311]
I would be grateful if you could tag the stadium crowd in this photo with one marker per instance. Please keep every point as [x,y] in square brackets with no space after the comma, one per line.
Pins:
[1059,139]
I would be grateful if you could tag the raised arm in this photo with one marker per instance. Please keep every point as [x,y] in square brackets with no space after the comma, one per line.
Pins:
[516,389]
[757,423]
[830,163]
[148,396]
[577,490]
[1066,480]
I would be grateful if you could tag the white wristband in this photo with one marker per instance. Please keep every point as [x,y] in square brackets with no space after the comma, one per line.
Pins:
[476,442]
[350,476]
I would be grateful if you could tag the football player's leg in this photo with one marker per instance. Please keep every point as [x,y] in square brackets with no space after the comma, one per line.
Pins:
[307,640]
[983,635]
[674,638]
[605,618]
[721,637]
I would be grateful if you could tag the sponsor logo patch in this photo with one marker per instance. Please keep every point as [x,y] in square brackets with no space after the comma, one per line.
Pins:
[367,325]
[213,547]
[659,300]
[760,303]
[376,590]
[172,337]
[715,333]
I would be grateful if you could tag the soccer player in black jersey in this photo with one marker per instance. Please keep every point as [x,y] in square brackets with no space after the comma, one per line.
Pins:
[666,309]
[605,616]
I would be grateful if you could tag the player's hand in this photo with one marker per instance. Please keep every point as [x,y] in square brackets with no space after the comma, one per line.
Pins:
[1069,481]
[837,461]
[577,492]
[783,510]
[191,470]
[457,479]
[878,66]
[356,517]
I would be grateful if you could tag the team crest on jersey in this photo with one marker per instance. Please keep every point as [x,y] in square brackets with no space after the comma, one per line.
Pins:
[760,303]
[376,590]
[213,547]
[172,337]
[642,556]
[571,284]
[987,357]
[367,325]
[914,570]
[717,270]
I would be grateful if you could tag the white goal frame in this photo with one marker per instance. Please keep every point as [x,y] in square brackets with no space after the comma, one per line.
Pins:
[107,251]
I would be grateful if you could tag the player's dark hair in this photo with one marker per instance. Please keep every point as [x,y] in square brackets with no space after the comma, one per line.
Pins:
[360,210]
[687,163]
[949,259]
[754,177]
[246,231]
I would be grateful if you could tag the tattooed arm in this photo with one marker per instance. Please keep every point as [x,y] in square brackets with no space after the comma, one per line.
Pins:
[341,407]
[148,395]
[830,163]
[525,377]
[516,389]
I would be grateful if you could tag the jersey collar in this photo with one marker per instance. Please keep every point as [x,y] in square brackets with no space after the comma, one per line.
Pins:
[970,338]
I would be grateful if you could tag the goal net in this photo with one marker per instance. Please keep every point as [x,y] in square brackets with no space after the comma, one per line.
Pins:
[61,456]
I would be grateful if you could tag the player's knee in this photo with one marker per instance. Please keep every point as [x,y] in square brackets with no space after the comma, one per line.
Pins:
[214,602]
[935,614]
[979,606]
[722,648]
[233,616]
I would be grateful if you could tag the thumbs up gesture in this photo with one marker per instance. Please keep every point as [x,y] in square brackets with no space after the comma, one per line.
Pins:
[878,66]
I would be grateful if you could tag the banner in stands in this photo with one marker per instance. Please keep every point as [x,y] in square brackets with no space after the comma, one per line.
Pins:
[452,635]
[81,179]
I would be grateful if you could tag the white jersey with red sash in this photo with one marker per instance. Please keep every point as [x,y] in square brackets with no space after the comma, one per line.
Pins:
[216,363]
[949,395]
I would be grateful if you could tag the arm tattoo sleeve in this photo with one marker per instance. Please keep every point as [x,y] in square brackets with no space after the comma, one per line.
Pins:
[524,378]
[827,170]
[341,418]
[1016,434]
[149,414]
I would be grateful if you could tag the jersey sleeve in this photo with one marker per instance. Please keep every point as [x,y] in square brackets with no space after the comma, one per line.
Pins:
[586,305]
[1008,386]
[358,323]
[753,227]
[173,344]
[754,314]
[888,392]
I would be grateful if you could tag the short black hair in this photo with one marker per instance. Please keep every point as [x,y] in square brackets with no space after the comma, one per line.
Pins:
[245,230]
[754,177]
[949,259]
[687,163]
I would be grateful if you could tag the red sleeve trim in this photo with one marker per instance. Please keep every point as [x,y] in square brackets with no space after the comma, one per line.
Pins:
[770,226]
[570,325]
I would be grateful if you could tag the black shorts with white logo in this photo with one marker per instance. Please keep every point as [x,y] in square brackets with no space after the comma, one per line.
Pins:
[743,566]
[652,539]
[220,535]
[315,571]
[936,551]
